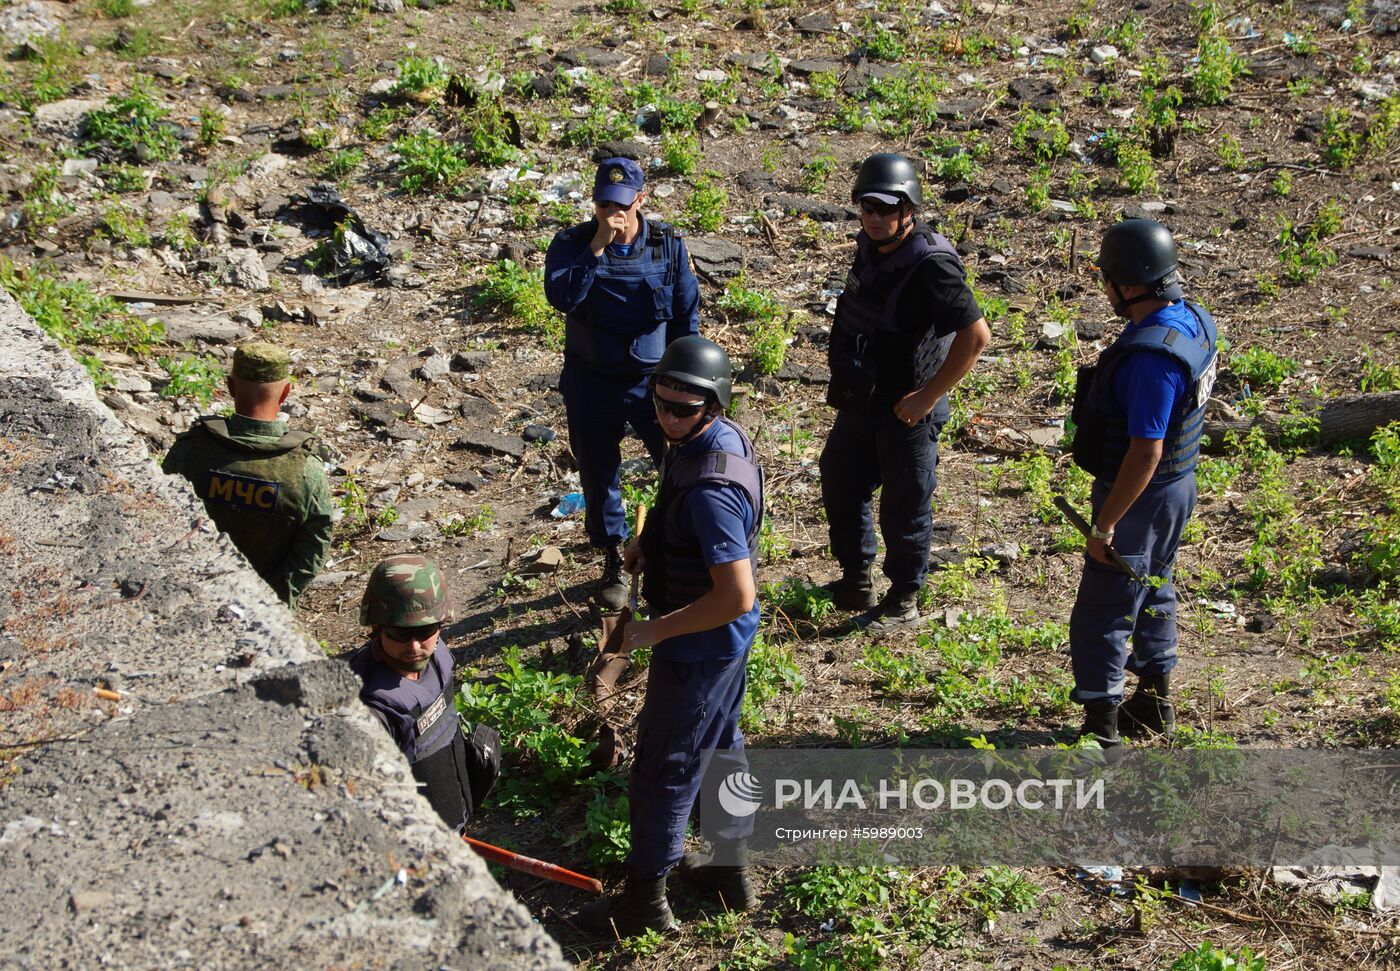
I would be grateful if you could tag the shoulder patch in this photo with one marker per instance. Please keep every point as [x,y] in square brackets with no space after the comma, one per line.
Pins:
[242,492]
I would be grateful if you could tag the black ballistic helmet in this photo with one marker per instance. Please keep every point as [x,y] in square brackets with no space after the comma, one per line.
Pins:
[699,364]
[1141,252]
[888,174]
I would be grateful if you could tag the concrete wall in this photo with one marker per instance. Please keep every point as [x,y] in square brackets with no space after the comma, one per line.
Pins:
[237,807]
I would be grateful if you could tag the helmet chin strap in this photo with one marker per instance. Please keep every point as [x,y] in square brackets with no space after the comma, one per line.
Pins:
[701,423]
[1122,303]
[906,223]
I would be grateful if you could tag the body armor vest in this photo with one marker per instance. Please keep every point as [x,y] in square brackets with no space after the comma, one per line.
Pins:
[676,573]
[254,492]
[631,344]
[1101,426]
[867,316]
[422,718]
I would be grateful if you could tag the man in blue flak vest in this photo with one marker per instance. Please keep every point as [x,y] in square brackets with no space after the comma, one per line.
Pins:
[697,554]
[1139,413]
[625,287]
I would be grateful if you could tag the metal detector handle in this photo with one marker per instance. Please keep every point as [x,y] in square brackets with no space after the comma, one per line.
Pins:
[1082,524]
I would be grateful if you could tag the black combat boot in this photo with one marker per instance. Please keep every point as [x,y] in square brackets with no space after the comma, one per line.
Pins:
[1148,712]
[612,591]
[855,590]
[639,907]
[1101,722]
[732,882]
[894,612]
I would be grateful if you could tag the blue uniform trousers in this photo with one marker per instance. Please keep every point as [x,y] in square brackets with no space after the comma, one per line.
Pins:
[599,409]
[866,450]
[691,709]
[1112,609]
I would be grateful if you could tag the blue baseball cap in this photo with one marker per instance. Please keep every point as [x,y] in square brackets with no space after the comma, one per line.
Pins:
[618,180]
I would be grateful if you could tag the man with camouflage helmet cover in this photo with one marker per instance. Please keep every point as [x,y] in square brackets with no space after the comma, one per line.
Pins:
[260,483]
[406,670]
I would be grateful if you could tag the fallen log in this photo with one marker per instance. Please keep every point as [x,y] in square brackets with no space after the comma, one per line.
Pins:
[1337,419]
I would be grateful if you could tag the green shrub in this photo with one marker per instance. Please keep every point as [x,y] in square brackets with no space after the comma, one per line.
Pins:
[1136,167]
[772,671]
[680,150]
[72,314]
[342,163]
[123,225]
[1042,137]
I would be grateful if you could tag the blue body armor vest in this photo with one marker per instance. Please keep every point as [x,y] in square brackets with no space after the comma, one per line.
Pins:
[680,576]
[868,347]
[1101,424]
[420,714]
[623,344]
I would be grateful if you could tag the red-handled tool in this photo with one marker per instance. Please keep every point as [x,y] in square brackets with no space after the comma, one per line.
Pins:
[532,866]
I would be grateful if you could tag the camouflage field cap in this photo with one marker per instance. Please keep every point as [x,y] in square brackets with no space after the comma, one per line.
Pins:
[262,362]
[405,591]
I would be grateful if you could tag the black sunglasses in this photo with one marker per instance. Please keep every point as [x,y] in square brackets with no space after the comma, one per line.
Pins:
[873,207]
[407,635]
[681,409]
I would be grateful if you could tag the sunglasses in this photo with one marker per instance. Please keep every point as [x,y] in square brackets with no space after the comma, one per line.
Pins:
[680,409]
[608,205]
[873,207]
[407,635]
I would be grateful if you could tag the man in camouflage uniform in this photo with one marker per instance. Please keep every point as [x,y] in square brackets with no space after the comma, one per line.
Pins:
[406,669]
[261,484]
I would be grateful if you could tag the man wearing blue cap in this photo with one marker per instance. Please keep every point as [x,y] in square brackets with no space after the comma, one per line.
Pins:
[626,290]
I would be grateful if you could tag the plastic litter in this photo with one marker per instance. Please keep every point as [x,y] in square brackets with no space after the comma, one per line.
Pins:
[568,505]
[1106,880]
[1189,890]
[357,252]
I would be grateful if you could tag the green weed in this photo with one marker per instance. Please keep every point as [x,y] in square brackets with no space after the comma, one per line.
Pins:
[1217,69]
[123,225]
[1262,367]
[419,74]
[73,315]
[43,203]
[772,673]
[192,377]
[1042,137]
[427,162]
[342,164]
[132,125]
[1208,957]
[680,150]
[519,292]
[469,525]
[704,210]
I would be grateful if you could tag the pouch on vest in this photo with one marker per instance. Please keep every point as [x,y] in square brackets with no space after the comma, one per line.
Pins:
[1090,427]
[853,377]
[483,761]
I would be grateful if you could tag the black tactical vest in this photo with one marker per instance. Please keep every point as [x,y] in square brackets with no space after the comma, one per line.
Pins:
[867,317]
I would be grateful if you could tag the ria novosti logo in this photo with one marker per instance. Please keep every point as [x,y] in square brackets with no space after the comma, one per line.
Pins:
[740,794]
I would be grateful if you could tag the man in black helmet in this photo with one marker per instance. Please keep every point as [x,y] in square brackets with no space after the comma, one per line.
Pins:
[698,551]
[1138,415]
[907,331]
[624,284]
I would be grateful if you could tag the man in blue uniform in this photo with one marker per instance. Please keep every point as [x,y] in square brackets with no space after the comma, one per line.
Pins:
[625,287]
[406,670]
[1138,415]
[698,551]
[907,331]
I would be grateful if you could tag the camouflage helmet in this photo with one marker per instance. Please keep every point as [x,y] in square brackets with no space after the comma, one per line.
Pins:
[405,591]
